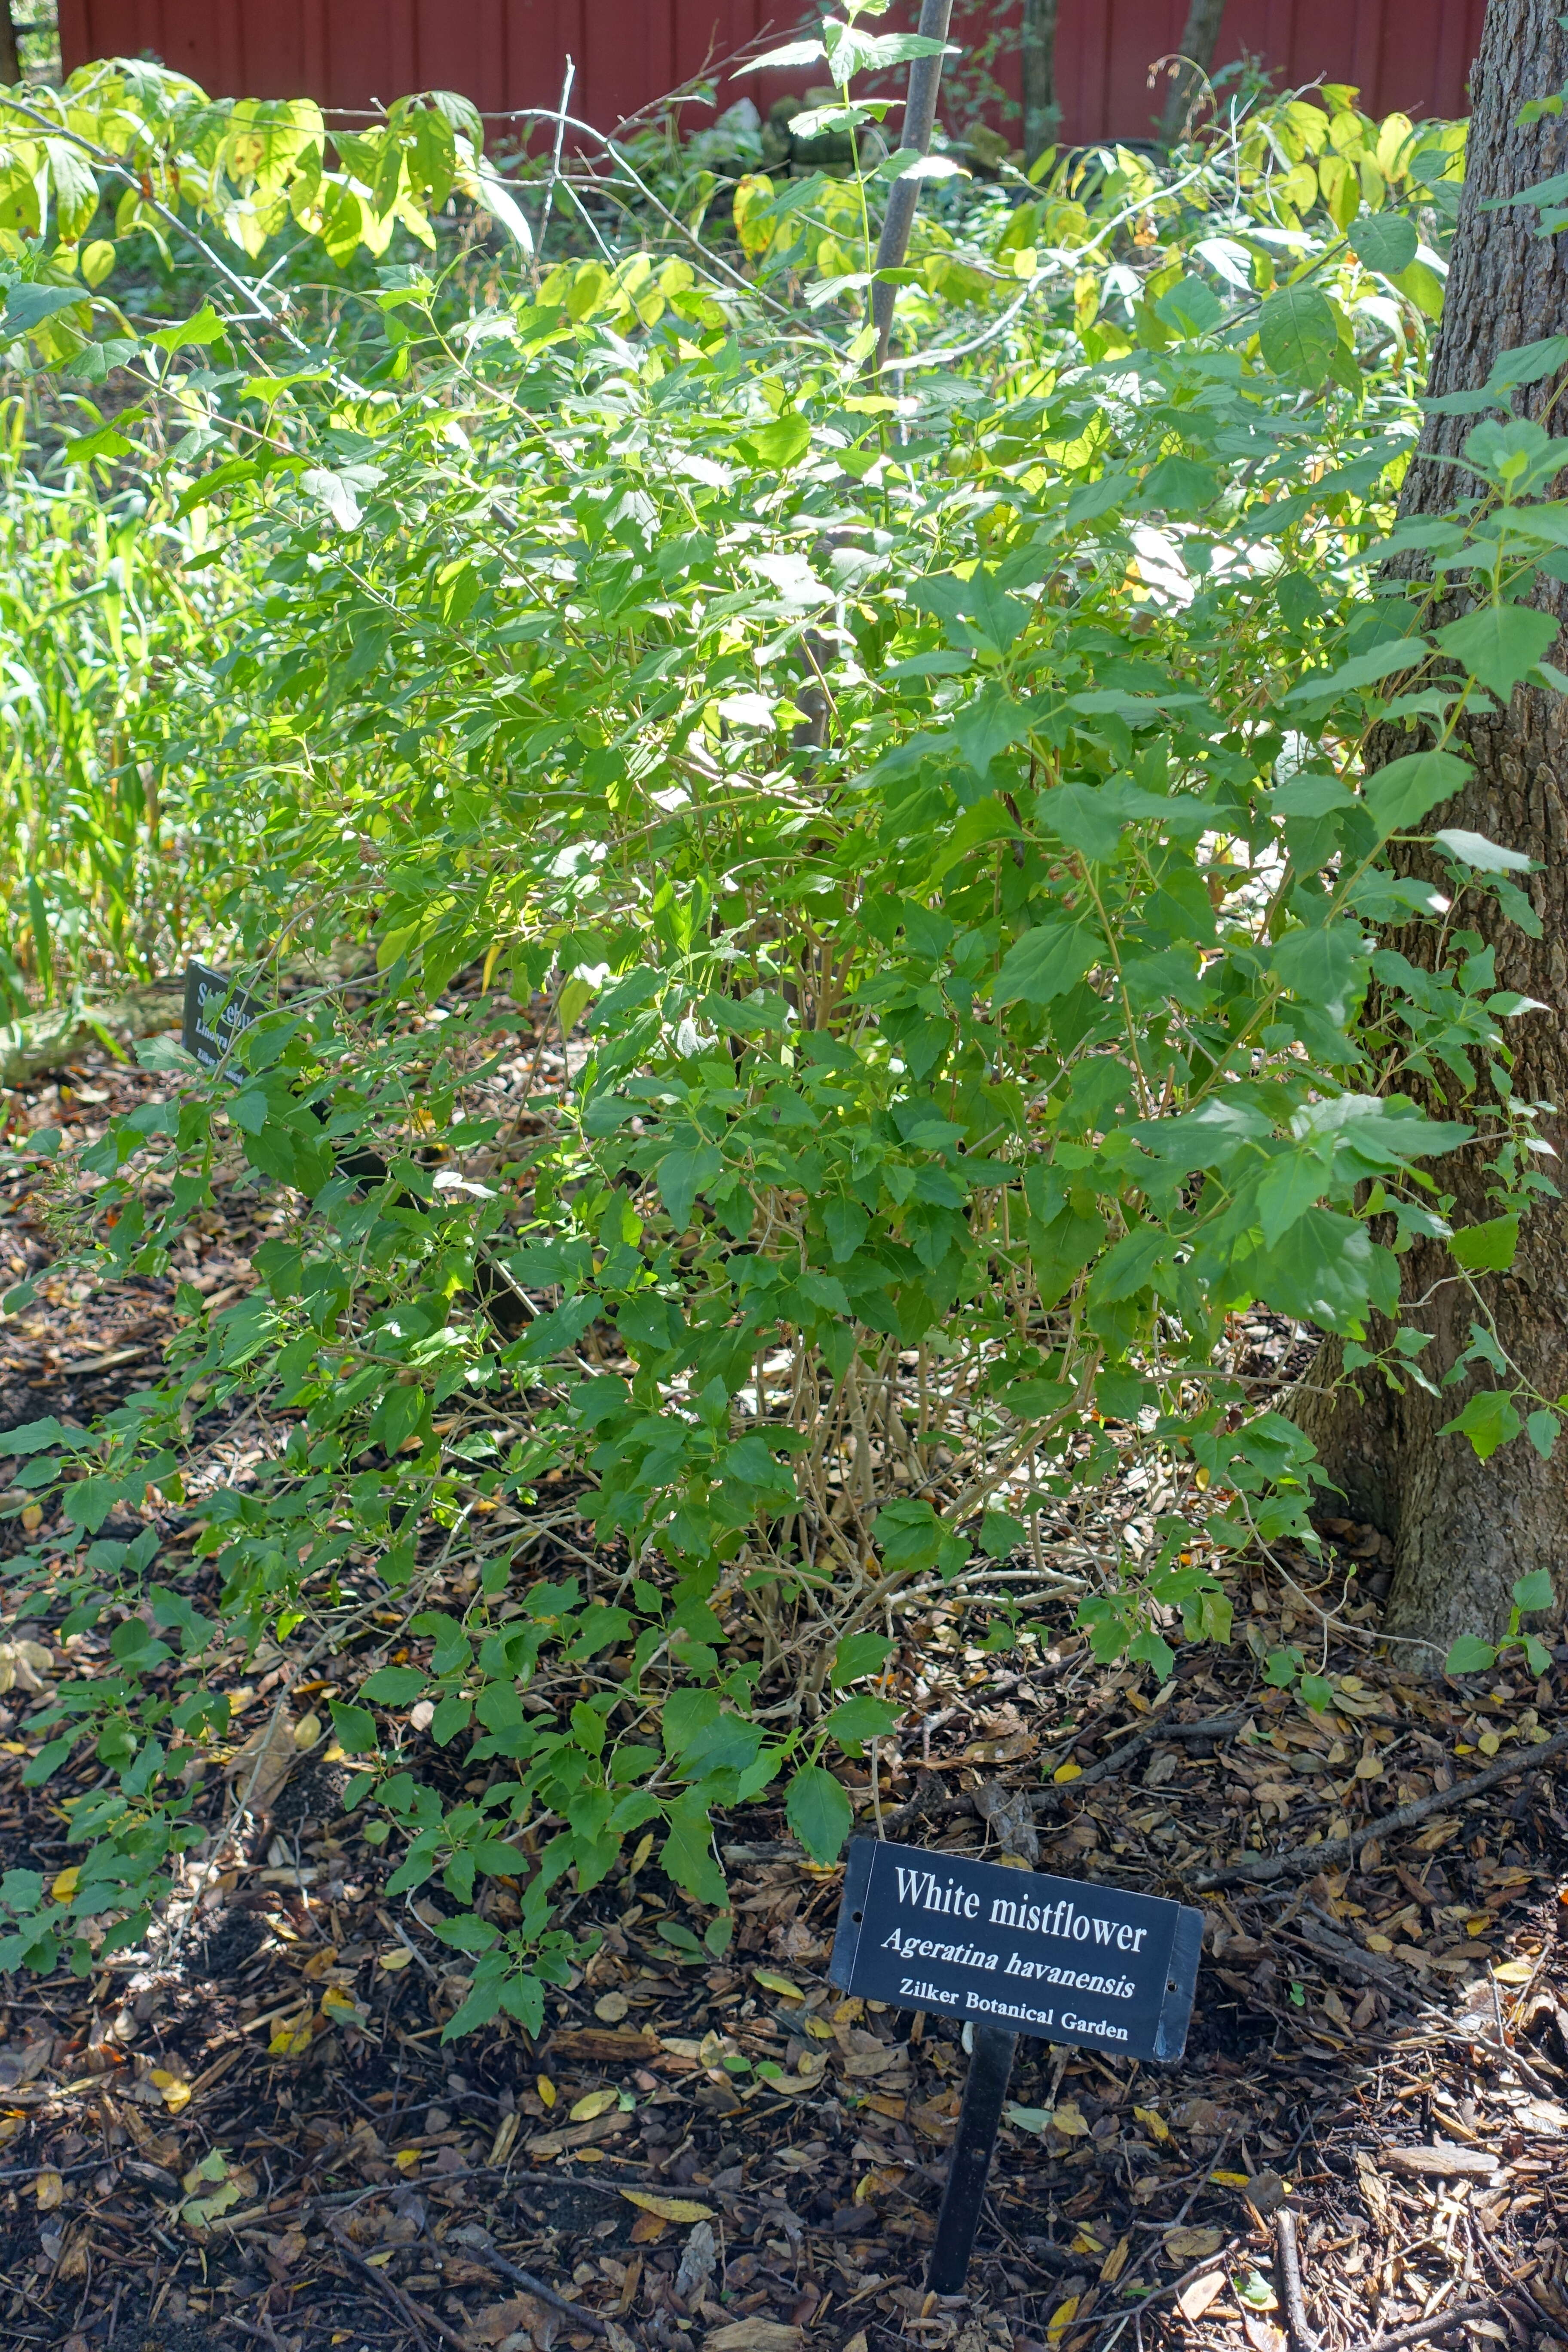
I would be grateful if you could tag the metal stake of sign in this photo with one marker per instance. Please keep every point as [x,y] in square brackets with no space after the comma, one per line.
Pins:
[989,2069]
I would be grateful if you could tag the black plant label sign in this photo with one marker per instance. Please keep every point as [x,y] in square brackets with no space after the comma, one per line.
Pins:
[217,1010]
[1055,1957]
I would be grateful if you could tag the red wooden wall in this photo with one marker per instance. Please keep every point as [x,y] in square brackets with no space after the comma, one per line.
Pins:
[1410,54]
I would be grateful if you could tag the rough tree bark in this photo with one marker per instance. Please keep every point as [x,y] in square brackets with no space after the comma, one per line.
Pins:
[1463,1530]
[1038,42]
[10,63]
[1192,61]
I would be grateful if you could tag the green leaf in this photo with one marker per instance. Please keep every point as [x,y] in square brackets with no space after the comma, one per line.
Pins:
[819,1813]
[1486,1248]
[858,1654]
[1534,1594]
[355,1728]
[1322,966]
[204,327]
[987,726]
[1469,1655]
[1489,1420]
[1486,856]
[682,1173]
[1046,962]
[1321,1270]
[1400,795]
[687,1854]
[1542,1428]
[1501,643]
[1299,335]
[861,1717]
[28,304]
[1295,1182]
[1179,485]
[393,1686]
[1386,242]
[467,1933]
[1001,1535]
[1387,660]
[782,444]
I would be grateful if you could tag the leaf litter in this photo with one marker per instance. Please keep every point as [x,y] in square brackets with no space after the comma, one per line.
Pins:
[254,2132]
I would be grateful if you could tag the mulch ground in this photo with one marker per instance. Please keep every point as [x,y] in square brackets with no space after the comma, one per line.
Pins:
[253,2133]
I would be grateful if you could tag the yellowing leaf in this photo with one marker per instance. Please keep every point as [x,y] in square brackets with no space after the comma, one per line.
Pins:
[1115,2262]
[1515,1971]
[406,2158]
[49,2189]
[1069,2117]
[669,2208]
[1152,2121]
[1066,1772]
[177,2093]
[65,1884]
[307,1731]
[397,1958]
[772,1983]
[595,2102]
[290,2041]
[1232,2180]
[546,2090]
[1061,2319]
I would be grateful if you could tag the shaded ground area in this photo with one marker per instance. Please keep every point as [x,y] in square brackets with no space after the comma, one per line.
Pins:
[255,2134]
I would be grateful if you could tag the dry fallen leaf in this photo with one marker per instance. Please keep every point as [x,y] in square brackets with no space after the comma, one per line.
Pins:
[519,2313]
[1192,2245]
[1515,1971]
[397,1958]
[49,2189]
[1152,2121]
[1263,2335]
[256,1772]
[755,2336]
[1194,2300]
[611,2006]
[647,2229]
[669,2208]
[1067,2117]
[1061,2319]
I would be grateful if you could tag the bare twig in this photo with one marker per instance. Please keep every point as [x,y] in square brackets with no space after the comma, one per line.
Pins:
[1303,1860]
[536,2287]
[1460,2315]
[1217,1726]
[1302,2337]
[414,2315]
[566,82]
[920,118]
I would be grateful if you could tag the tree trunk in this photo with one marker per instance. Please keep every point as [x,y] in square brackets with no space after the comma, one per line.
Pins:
[1463,1530]
[10,63]
[1042,116]
[1190,70]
